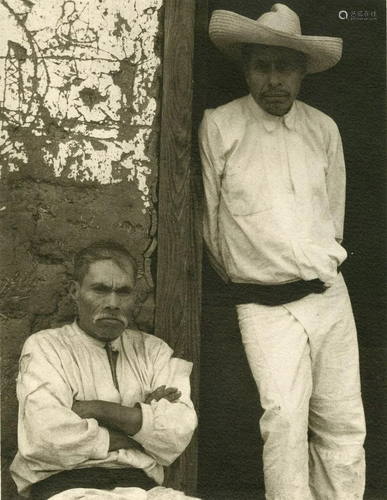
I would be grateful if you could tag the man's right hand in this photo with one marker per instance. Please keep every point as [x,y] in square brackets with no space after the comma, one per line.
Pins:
[120,440]
[172,394]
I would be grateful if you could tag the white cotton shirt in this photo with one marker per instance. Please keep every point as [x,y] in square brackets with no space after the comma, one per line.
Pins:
[60,365]
[275,193]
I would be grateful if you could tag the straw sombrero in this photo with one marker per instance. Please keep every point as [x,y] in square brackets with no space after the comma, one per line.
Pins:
[279,27]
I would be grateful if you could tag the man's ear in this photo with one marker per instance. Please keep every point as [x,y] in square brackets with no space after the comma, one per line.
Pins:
[73,289]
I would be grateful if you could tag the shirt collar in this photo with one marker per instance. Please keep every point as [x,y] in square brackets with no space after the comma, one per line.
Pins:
[271,122]
[91,340]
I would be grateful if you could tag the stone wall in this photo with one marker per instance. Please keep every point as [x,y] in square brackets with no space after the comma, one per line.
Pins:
[79,91]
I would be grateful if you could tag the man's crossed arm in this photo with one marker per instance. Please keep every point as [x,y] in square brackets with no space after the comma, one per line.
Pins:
[122,421]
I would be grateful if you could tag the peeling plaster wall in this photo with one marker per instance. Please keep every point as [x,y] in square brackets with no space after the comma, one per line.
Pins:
[79,134]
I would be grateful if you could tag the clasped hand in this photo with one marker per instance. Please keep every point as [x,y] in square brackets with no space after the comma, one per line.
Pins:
[172,394]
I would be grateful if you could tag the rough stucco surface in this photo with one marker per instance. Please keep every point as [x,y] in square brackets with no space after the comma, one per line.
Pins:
[79,96]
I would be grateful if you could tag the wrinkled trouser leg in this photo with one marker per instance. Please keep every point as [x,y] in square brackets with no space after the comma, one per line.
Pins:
[277,350]
[308,350]
[336,418]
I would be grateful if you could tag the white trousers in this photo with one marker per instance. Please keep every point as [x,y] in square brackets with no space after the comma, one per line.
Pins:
[304,359]
[157,493]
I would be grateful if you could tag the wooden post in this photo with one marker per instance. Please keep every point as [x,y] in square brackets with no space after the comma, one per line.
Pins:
[178,292]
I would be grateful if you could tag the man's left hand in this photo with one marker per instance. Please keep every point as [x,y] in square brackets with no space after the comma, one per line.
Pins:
[171,394]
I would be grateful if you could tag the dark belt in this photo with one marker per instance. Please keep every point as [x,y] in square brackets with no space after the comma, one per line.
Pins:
[95,477]
[273,295]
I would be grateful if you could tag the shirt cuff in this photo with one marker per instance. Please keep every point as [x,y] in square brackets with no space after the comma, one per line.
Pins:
[101,448]
[147,424]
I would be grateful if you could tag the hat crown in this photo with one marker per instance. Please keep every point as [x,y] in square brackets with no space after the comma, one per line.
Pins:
[281,18]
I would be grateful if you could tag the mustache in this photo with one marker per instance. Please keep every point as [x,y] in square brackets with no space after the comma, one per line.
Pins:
[117,317]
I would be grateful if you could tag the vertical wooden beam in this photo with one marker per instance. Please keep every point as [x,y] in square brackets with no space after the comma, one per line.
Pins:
[178,292]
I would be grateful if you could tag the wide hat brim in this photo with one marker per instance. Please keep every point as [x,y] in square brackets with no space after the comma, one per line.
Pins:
[229,31]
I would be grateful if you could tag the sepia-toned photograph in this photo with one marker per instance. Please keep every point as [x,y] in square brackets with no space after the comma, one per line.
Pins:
[193,257]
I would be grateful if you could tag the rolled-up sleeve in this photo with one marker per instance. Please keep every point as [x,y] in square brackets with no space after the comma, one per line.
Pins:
[168,427]
[51,435]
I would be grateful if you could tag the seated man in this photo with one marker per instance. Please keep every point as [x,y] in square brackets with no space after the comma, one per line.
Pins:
[101,406]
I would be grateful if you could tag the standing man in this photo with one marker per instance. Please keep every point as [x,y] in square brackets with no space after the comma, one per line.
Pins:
[101,406]
[274,181]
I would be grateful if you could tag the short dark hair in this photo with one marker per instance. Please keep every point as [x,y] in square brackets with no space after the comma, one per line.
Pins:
[247,50]
[101,250]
